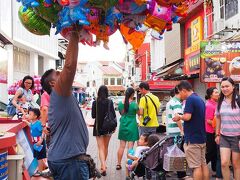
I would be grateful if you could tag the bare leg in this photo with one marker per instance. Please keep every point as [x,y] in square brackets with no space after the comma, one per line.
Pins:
[236,165]
[130,144]
[41,165]
[205,170]
[101,152]
[225,162]
[121,151]
[197,173]
[106,140]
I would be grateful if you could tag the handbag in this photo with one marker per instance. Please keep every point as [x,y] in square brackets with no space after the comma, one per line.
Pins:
[110,121]
[11,109]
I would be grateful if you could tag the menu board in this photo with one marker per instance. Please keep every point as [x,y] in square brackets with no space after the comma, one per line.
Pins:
[219,59]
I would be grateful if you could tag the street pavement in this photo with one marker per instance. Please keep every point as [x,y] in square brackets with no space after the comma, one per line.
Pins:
[112,173]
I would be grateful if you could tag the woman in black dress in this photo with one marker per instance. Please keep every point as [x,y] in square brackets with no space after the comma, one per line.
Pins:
[99,111]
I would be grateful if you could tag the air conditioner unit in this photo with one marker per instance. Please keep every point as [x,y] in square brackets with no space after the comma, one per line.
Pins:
[218,25]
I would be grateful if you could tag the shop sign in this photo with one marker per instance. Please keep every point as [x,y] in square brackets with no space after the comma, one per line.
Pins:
[159,83]
[3,166]
[192,53]
[219,59]
[3,66]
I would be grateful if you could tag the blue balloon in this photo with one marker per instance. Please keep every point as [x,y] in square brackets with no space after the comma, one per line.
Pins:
[175,19]
[28,4]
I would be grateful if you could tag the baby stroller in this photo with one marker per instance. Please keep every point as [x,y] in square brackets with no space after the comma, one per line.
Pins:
[150,166]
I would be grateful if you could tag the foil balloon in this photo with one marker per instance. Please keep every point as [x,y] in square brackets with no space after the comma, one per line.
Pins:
[63,2]
[113,17]
[102,33]
[158,17]
[28,4]
[71,15]
[133,37]
[47,3]
[168,3]
[33,23]
[131,7]
[180,10]
[132,20]
[50,13]
[157,35]
[84,36]
[103,4]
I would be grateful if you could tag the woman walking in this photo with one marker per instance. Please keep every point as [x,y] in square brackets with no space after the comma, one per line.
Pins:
[228,128]
[100,109]
[128,130]
[212,96]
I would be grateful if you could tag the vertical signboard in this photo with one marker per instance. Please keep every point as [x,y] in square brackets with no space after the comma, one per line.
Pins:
[193,36]
[219,59]
[3,166]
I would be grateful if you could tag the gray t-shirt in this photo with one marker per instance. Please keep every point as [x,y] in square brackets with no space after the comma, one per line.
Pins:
[68,130]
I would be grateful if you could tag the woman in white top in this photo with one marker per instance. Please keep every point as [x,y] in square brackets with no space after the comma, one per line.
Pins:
[24,90]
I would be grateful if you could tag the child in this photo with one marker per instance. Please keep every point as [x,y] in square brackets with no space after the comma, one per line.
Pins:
[39,145]
[134,156]
[22,108]
[146,141]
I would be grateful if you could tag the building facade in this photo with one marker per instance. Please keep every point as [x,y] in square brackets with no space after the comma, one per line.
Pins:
[26,53]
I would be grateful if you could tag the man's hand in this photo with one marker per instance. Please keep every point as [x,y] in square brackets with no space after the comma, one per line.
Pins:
[39,143]
[46,130]
[177,118]
[217,139]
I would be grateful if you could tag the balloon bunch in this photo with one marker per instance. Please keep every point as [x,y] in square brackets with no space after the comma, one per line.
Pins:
[102,18]
[37,86]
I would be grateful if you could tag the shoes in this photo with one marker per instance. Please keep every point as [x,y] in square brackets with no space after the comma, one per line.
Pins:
[118,167]
[46,174]
[37,174]
[103,173]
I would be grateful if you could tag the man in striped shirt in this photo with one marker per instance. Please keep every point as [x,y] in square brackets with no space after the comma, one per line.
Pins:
[174,106]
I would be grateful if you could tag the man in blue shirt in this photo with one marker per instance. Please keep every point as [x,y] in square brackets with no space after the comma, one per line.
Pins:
[194,131]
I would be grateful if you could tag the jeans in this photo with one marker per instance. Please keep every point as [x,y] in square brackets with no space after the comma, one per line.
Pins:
[69,169]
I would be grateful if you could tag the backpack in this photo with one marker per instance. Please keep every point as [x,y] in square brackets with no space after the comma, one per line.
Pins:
[11,109]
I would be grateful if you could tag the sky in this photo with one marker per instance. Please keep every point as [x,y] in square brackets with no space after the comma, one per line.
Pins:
[116,53]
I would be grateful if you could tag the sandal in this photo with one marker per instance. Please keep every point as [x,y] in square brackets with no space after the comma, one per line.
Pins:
[118,167]
[37,174]
[103,173]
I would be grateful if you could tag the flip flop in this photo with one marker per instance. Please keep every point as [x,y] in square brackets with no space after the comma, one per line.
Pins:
[118,167]
[37,174]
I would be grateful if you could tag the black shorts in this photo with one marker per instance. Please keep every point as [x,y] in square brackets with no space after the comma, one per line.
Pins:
[231,142]
[42,154]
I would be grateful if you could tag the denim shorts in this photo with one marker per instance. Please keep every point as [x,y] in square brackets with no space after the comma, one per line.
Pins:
[69,169]
[231,142]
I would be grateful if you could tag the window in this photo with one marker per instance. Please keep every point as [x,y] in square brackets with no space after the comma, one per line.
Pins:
[189,39]
[222,9]
[105,81]
[231,8]
[88,84]
[40,66]
[119,81]
[21,60]
[112,81]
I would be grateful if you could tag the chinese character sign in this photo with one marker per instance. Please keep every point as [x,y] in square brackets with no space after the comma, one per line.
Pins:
[219,59]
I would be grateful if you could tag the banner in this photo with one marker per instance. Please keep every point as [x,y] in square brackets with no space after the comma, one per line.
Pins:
[3,166]
[3,66]
[219,59]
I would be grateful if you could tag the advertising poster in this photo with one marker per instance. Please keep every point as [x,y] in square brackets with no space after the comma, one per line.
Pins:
[3,166]
[3,66]
[219,59]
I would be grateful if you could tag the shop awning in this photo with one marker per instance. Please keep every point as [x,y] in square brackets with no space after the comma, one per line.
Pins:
[77,85]
[171,70]
[116,88]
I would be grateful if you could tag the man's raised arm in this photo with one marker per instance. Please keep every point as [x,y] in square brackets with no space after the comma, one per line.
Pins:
[64,83]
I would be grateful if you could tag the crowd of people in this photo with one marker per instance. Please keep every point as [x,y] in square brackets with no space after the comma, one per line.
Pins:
[211,129]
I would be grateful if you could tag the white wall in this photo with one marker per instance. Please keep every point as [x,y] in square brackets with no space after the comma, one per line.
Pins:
[24,39]
[157,54]
[6,18]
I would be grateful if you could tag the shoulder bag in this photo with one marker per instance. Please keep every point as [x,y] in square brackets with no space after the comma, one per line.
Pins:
[147,118]
[110,121]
